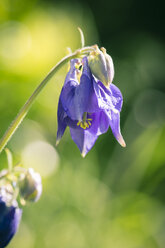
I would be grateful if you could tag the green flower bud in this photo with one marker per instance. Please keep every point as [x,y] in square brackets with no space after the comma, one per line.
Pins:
[31,186]
[101,65]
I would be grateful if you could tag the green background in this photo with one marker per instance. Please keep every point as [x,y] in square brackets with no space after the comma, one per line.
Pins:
[114,197]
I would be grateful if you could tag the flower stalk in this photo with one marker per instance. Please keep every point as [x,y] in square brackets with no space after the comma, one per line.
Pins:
[9,159]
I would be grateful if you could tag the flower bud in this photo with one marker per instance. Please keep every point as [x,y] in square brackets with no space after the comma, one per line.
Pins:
[31,186]
[10,217]
[101,65]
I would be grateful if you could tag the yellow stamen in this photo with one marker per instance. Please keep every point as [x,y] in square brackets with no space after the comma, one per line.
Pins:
[78,123]
[85,123]
[81,125]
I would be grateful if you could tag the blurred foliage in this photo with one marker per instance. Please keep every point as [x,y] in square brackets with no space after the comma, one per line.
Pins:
[114,197]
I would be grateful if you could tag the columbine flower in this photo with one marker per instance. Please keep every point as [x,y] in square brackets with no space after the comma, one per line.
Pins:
[10,217]
[88,107]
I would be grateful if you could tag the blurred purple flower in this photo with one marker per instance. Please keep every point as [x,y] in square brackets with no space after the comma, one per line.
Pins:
[88,108]
[10,217]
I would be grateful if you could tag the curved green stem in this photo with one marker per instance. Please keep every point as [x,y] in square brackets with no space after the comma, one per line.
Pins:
[9,159]
[24,110]
[82,37]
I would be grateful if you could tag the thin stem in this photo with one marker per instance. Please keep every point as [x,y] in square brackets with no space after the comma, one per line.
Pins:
[82,37]
[9,159]
[87,49]
[24,110]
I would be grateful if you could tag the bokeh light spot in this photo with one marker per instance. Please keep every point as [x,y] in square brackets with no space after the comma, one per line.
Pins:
[41,156]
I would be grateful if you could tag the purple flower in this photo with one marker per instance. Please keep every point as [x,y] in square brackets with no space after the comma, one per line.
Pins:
[10,217]
[88,107]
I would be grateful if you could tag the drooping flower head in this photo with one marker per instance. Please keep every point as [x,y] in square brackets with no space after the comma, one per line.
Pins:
[88,107]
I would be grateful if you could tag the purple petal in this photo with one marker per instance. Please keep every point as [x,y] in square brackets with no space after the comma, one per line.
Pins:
[117,97]
[103,123]
[100,123]
[78,98]
[84,139]
[72,74]
[114,122]
[9,221]
[108,99]
[93,106]
[104,99]
[61,122]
